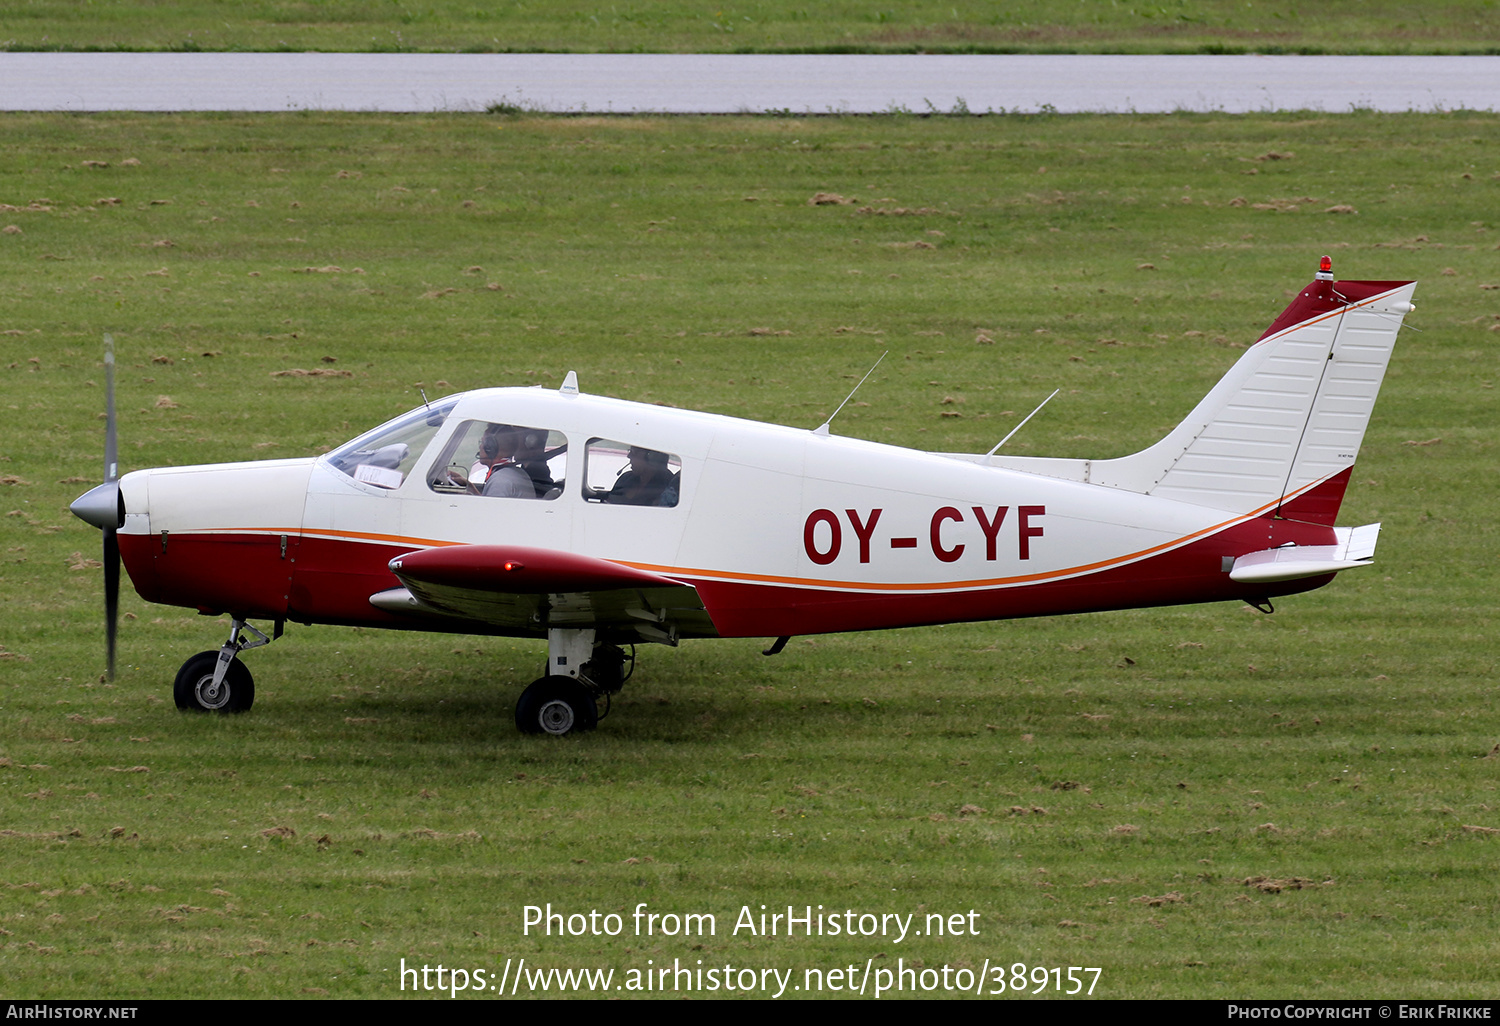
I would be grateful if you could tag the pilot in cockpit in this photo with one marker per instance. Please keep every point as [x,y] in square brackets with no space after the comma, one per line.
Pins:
[486,457]
[507,478]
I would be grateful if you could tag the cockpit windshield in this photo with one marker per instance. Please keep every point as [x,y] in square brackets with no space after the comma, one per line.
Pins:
[385,456]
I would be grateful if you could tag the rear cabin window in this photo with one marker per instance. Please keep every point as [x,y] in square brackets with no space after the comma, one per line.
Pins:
[621,474]
[502,461]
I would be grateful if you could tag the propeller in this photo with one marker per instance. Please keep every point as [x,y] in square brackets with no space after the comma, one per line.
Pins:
[103,507]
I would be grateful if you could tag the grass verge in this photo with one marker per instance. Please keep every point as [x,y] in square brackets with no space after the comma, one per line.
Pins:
[657,26]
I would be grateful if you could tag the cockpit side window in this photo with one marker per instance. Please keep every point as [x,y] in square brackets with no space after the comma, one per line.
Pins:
[506,461]
[622,474]
[383,457]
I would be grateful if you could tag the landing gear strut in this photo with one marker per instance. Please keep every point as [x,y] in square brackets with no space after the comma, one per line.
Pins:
[218,681]
[580,673]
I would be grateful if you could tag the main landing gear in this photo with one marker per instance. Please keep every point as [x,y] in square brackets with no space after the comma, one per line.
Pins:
[580,673]
[218,681]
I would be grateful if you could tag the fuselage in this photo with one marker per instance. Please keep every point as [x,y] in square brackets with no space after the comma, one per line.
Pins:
[780,530]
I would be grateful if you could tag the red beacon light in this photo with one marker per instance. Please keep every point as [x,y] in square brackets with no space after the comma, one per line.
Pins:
[1325,269]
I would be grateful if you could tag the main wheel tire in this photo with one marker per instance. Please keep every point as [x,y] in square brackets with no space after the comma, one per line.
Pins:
[556,705]
[194,688]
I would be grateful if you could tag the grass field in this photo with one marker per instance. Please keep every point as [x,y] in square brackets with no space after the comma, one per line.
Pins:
[759,26]
[1203,802]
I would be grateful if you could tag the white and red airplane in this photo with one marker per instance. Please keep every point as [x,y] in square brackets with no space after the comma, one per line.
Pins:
[600,524]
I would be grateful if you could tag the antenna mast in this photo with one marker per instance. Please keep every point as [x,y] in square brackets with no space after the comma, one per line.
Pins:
[1019,426]
[823,428]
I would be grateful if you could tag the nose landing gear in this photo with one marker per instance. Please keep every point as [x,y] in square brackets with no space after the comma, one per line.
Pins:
[218,681]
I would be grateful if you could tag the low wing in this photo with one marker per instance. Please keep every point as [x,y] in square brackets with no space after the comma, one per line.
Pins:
[513,589]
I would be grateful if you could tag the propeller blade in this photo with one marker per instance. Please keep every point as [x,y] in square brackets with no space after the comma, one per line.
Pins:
[111,475]
[111,447]
[103,507]
[111,595]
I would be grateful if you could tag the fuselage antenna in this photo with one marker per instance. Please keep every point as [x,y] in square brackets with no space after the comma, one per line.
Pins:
[823,428]
[1019,426]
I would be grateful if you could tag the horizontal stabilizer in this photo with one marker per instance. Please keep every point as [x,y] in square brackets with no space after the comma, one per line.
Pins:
[1354,548]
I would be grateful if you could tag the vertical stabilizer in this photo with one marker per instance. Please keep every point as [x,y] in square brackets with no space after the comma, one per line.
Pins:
[1290,415]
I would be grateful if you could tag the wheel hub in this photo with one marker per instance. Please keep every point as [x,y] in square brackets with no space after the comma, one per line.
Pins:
[556,717]
[211,695]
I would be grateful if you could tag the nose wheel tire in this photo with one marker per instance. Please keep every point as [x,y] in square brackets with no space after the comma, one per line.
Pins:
[194,689]
[556,705]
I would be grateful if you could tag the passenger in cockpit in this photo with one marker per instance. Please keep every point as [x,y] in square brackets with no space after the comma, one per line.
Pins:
[531,457]
[648,482]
